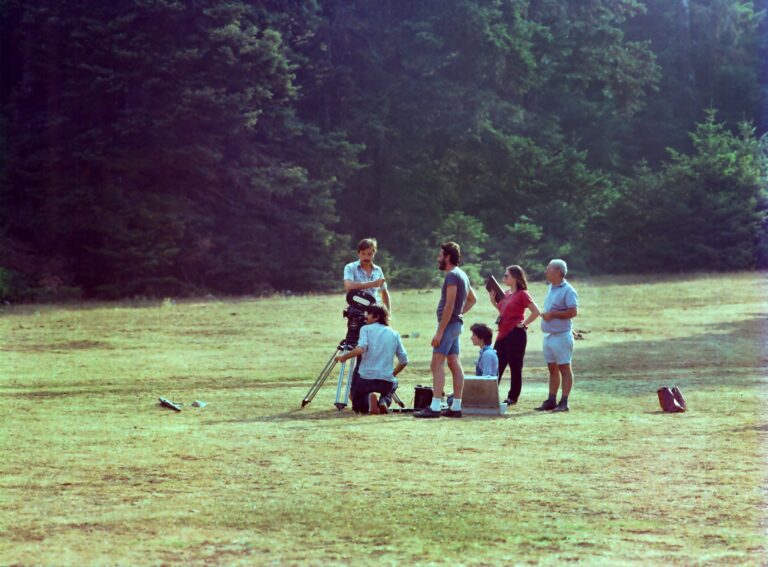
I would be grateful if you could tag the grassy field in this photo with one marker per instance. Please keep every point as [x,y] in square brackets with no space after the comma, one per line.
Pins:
[94,471]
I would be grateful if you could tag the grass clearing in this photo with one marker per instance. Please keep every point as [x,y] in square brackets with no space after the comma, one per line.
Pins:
[94,471]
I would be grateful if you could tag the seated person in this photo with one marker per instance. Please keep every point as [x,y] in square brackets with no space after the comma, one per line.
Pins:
[378,345]
[488,362]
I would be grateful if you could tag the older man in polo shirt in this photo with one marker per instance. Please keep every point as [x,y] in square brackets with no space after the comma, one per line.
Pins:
[560,307]
[364,274]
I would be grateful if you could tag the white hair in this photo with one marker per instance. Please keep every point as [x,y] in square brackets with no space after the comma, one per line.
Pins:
[560,265]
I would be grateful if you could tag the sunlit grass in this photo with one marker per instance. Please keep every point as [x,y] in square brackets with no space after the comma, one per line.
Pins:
[94,471]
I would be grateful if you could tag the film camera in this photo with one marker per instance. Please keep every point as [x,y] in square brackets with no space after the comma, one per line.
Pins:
[357,301]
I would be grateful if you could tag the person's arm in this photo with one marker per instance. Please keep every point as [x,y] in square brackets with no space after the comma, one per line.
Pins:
[402,357]
[566,314]
[350,285]
[534,314]
[387,301]
[471,300]
[355,352]
[450,301]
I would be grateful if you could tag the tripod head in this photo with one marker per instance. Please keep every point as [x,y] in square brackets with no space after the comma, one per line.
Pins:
[357,301]
[360,299]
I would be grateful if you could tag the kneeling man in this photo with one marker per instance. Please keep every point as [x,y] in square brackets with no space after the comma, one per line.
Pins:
[378,345]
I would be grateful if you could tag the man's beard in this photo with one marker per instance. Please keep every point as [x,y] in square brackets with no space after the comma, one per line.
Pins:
[442,265]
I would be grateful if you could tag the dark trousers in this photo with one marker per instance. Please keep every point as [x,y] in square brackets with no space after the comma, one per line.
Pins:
[511,352]
[364,387]
[386,398]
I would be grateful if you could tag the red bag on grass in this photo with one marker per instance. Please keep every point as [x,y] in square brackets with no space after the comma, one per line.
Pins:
[679,397]
[668,401]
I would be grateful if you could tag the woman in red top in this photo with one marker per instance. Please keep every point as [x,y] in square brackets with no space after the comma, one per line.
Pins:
[512,338]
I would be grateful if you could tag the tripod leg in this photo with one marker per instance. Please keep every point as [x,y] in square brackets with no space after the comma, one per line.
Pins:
[397,400]
[324,373]
[339,404]
[350,375]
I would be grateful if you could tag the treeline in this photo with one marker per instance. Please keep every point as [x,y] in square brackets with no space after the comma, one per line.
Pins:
[171,147]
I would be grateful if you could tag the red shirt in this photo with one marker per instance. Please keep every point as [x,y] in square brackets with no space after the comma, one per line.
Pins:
[507,294]
[513,311]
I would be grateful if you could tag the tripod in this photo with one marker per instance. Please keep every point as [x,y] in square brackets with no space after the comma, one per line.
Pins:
[345,372]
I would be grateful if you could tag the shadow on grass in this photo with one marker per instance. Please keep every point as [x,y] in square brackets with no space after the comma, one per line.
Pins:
[35,309]
[159,385]
[57,347]
[301,414]
[652,279]
[724,354]
[348,416]
[762,427]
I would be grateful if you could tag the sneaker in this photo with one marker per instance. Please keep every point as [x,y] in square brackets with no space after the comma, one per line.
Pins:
[547,406]
[560,407]
[451,413]
[383,408]
[426,412]
[510,401]
[373,404]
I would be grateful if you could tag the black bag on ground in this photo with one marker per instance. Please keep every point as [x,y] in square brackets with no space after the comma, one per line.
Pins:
[422,397]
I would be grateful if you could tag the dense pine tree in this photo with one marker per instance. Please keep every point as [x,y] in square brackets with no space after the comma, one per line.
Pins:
[162,147]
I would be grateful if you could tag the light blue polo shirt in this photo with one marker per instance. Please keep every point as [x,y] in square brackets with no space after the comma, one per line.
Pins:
[559,298]
[488,363]
[355,272]
[380,345]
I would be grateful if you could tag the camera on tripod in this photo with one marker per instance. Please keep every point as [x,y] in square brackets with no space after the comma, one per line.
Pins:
[357,301]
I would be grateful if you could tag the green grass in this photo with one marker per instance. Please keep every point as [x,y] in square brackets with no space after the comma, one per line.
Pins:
[94,471]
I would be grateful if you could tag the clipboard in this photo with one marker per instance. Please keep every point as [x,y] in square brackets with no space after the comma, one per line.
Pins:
[492,285]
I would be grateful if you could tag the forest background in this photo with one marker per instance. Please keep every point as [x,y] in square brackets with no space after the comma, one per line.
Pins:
[166,147]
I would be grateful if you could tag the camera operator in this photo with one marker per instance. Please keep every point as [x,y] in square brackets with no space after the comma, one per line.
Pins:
[378,345]
[363,274]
